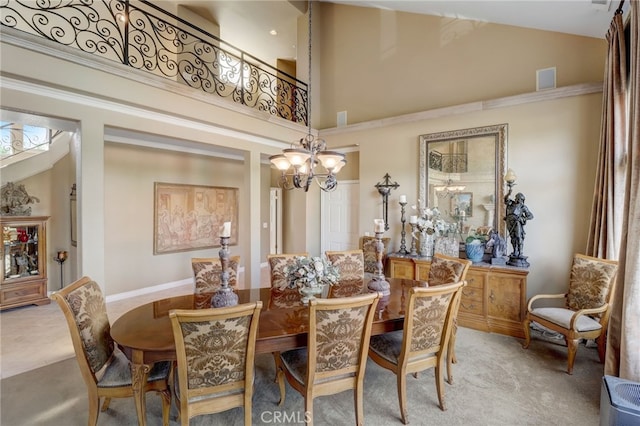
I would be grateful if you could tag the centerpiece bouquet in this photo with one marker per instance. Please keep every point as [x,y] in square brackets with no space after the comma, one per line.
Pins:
[309,275]
[428,225]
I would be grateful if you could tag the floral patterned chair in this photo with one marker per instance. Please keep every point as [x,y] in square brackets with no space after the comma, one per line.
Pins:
[585,314]
[423,341]
[105,370]
[369,253]
[336,356]
[206,272]
[446,270]
[216,351]
[350,264]
[281,296]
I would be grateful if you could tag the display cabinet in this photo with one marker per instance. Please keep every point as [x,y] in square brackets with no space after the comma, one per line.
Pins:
[493,299]
[24,262]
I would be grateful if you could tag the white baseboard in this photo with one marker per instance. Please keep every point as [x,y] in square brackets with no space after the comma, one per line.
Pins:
[147,290]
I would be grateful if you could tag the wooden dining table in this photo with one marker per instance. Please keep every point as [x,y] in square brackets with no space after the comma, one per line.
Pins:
[145,335]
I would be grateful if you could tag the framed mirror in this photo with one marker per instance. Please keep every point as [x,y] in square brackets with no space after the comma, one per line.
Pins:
[462,173]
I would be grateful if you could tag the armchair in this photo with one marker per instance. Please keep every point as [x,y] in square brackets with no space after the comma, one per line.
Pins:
[586,310]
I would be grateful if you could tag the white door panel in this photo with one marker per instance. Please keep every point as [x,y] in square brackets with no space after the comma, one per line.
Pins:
[340,216]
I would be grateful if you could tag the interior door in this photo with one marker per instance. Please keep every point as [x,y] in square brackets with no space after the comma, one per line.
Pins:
[275,221]
[340,217]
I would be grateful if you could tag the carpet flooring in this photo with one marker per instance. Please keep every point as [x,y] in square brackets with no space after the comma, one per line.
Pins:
[496,382]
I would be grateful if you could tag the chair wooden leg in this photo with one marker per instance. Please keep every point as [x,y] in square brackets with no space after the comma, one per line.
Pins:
[308,410]
[440,385]
[94,403]
[451,355]
[105,404]
[572,346]
[527,333]
[358,395]
[402,397]
[247,414]
[281,385]
[166,406]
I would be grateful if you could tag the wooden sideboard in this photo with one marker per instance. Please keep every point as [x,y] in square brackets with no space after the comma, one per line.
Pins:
[493,300]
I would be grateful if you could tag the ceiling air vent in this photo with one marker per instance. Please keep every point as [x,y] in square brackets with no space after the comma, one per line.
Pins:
[601,4]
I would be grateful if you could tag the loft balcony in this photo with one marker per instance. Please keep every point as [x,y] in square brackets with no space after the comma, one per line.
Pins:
[144,37]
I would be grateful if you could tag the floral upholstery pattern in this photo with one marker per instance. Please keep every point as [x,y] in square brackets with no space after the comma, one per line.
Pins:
[350,264]
[429,317]
[339,335]
[281,295]
[444,271]
[206,273]
[215,351]
[369,252]
[589,283]
[90,313]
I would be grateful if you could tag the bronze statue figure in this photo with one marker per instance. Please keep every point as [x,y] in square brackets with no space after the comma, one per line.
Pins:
[516,217]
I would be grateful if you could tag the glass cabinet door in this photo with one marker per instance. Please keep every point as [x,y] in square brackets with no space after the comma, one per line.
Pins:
[21,253]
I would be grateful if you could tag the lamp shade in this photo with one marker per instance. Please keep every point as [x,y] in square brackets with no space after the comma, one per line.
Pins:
[330,159]
[280,161]
[296,156]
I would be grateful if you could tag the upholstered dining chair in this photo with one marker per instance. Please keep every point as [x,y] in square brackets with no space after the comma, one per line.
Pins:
[586,309]
[422,343]
[105,370]
[369,252]
[281,296]
[350,265]
[336,355]
[206,273]
[216,352]
[445,270]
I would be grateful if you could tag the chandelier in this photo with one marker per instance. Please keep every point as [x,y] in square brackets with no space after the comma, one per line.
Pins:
[298,163]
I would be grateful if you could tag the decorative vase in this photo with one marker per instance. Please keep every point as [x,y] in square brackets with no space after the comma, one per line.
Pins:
[447,245]
[426,245]
[475,251]
[309,293]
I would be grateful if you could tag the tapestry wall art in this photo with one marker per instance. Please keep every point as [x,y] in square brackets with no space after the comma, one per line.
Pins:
[189,217]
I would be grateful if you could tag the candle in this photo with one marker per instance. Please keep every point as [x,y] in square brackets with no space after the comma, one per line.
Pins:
[403,198]
[413,219]
[225,229]
[462,213]
[378,225]
[510,177]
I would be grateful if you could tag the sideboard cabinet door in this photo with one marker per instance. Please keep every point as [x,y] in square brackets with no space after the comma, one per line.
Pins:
[506,292]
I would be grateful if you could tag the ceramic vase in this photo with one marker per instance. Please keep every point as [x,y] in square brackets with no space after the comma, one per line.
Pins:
[426,245]
[475,251]
[309,293]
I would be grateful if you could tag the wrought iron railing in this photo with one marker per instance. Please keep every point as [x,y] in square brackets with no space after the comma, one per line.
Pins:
[145,37]
[16,139]
[448,163]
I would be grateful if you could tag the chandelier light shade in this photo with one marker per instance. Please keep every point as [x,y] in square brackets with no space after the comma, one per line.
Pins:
[299,163]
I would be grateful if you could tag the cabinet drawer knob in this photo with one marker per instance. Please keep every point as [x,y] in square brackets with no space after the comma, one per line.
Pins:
[492,296]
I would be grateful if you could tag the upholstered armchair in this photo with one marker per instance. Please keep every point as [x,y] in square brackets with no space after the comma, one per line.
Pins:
[350,264]
[105,370]
[206,273]
[336,355]
[586,309]
[216,351]
[423,341]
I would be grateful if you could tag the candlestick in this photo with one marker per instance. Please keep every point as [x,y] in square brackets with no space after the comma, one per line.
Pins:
[378,282]
[414,249]
[225,296]
[403,246]
[61,257]
[225,229]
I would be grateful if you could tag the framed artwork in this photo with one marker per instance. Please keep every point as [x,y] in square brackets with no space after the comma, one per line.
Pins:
[189,217]
[462,202]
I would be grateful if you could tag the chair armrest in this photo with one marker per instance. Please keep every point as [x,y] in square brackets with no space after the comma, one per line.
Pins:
[581,312]
[544,296]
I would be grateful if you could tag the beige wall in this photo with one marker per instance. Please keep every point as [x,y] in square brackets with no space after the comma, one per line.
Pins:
[379,63]
[552,147]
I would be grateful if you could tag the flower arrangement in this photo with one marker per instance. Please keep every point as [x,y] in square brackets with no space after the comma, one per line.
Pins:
[310,272]
[429,221]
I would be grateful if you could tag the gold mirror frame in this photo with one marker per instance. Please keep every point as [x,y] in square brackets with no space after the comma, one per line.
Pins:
[499,133]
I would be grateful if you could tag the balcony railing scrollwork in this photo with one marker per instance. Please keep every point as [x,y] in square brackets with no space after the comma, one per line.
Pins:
[143,36]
